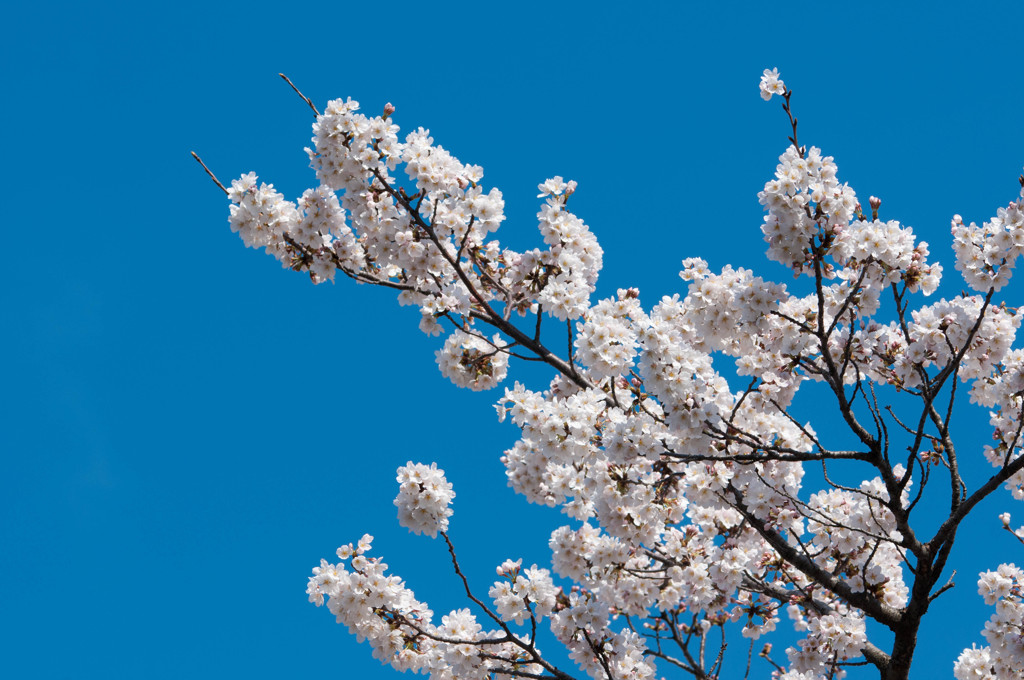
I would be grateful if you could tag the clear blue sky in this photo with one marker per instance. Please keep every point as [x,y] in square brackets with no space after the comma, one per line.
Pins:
[185,428]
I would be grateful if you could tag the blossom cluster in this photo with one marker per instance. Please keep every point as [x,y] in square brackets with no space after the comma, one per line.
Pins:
[831,636]
[424,498]
[1003,658]
[431,243]
[471,361]
[934,336]
[805,202]
[520,588]
[855,535]
[771,84]
[986,255]
[380,609]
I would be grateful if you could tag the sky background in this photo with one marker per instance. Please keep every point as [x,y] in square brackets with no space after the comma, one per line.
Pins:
[186,429]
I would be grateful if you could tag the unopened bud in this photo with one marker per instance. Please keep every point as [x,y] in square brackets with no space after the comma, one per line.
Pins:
[389,108]
[875,202]
[570,188]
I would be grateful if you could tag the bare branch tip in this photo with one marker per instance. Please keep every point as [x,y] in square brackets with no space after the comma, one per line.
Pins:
[209,172]
[304,97]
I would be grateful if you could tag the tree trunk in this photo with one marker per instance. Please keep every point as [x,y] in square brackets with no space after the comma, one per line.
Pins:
[902,650]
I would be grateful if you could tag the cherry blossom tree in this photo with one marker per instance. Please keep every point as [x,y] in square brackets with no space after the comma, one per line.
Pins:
[692,523]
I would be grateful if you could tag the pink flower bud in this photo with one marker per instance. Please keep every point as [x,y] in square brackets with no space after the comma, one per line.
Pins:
[389,108]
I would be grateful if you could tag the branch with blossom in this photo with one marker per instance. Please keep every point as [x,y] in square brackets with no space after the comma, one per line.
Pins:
[691,517]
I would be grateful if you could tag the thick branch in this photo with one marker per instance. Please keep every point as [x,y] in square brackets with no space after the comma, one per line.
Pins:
[872,653]
[877,610]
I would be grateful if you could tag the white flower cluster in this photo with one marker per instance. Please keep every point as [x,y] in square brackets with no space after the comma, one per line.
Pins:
[606,341]
[1004,390]
[626,653]
[771,84]
[855,536]
[889,250]
[261,216]
[730,309]
[349,146]
[1003,658]
[937,334]
[358,597]
[264,219]
[522,588]
[799,675]
[381,610]
[556,434]
[572,264]
[986,255]
[424,497]
[681,377]
[430,243]
[830,637]
[805,203]
[948,324]
[471,361]
[581,626]
[433,168]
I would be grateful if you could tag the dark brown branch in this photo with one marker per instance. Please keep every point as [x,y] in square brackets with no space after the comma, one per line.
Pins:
[488,315]
[945,532]
[877,610]
[949,584]
[872,653]
[792,121]
[834,380]
[530,648]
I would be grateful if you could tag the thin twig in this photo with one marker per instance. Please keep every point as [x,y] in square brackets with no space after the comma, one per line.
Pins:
[304,97]
[212,176]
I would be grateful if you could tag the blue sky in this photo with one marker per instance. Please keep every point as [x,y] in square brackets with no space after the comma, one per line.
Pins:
[185,428]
